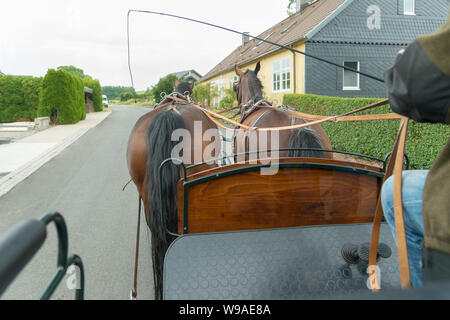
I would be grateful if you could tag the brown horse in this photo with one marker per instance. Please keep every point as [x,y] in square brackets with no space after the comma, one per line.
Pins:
[150,143]
[257,112]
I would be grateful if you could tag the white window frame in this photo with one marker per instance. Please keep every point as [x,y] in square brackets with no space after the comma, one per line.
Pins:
[409,13]
[283,71]
[233,79]
[357,75]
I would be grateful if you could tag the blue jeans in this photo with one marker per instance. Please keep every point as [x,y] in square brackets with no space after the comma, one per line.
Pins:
[413,183]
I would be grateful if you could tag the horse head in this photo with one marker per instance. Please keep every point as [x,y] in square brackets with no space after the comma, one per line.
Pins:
[184,88]
[248,88]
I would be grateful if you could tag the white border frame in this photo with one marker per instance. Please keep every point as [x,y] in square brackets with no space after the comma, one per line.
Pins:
[357,75]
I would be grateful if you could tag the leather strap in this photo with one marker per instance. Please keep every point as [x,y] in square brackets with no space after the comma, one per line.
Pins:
[394,166]
[230,109]
[398,211]
[386,116]
[210,114]
[136,260]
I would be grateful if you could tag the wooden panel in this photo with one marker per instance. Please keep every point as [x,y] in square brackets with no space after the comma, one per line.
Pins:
[292,197]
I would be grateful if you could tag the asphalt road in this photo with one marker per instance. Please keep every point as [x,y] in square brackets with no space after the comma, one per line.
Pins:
[84,183]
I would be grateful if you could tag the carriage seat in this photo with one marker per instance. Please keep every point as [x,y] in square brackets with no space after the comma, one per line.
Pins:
[271,264]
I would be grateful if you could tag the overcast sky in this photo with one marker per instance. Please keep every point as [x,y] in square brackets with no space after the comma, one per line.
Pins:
[42,34]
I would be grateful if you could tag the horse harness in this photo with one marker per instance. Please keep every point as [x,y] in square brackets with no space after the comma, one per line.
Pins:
[173,98]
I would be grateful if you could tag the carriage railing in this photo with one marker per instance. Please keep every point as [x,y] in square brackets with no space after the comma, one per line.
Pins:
[20,244]
[189,183]
[290,149]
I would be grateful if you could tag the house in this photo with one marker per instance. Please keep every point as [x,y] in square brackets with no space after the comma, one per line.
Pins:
[188,75]
[365,35]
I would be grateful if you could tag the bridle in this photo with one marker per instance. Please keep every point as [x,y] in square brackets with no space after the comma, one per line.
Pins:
[256,101]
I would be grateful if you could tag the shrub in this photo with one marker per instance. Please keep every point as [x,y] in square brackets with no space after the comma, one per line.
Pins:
[229,100]
[64,93]
[19,98]
[375,138]
[97,95]
[74,71]
[205,93]
[125,96]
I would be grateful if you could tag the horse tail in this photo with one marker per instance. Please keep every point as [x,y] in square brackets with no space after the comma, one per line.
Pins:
[305,138]
[160,147]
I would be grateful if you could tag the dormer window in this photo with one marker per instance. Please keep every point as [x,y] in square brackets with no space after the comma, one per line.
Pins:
[288,27]
[409,7]
[261,42]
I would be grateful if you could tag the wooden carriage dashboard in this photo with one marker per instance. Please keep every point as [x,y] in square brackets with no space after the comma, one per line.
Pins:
[303,192]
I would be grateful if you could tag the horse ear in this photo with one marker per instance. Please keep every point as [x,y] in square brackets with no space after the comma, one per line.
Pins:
[191,84]
[177,82]
[258,67]
[238,71]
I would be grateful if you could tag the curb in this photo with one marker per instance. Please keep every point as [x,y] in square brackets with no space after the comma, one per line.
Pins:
[12,179]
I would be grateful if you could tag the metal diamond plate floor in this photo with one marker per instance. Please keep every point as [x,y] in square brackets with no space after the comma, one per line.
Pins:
[293,263]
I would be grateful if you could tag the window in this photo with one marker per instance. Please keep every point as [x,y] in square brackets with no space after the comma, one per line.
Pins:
[409,7]
[281,75]
[233,79]
[351,79]
[219,86]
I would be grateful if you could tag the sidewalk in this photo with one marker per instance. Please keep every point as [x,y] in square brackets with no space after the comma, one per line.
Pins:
[20,159]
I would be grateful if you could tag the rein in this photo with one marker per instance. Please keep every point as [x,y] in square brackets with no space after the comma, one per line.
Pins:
[319,119]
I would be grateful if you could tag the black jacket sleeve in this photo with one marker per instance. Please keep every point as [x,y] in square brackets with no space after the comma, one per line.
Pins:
[417,88]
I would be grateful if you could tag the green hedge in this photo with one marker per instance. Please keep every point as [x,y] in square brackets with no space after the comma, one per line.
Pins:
[19,98]
[63,92]
[97,96]
[375,138]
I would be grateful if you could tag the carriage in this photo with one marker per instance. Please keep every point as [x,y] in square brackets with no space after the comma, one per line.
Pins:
[224,230]
[303,232]
[293,222]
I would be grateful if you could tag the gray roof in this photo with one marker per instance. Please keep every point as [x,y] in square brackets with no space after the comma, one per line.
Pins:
[88,90]
[181,74]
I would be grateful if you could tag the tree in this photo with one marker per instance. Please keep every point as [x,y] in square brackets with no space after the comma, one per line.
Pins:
[114,92]
[74,71]
[62,94]
[205,93]
[291,8]
[164,85]
[125,96]
[97,95]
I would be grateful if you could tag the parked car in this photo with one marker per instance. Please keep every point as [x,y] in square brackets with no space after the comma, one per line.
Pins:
[105,101]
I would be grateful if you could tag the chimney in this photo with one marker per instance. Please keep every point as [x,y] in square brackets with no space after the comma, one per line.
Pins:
[245,37]
[300,5]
